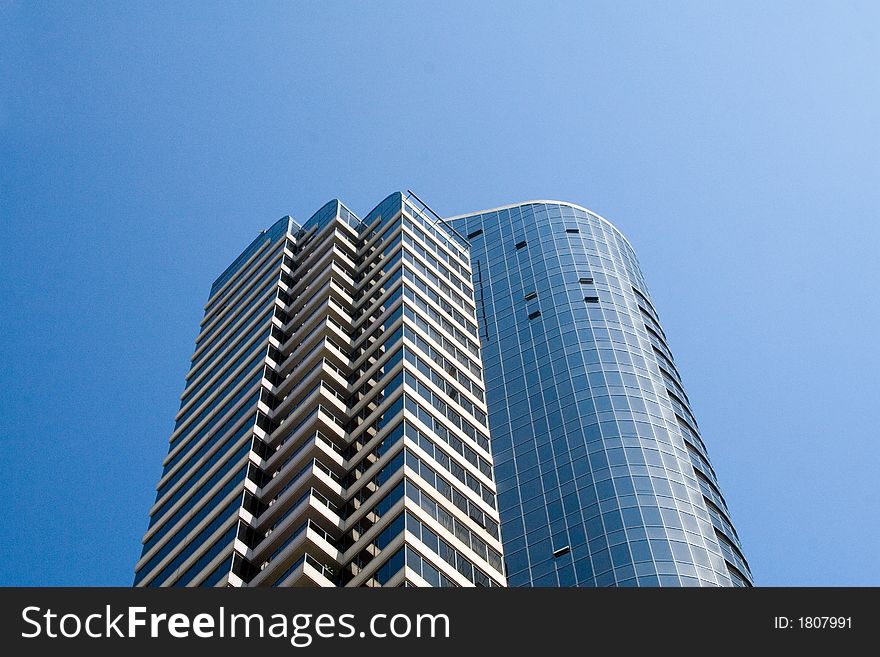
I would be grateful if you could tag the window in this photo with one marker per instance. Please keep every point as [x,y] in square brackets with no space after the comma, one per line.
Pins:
[521,245]
[561,551]
[586,280]
[572,230]
[531,295]
[591,299]
[537,313]
[476,233]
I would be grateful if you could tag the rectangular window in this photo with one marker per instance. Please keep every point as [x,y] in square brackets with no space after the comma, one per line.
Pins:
[591,299]
[572,230]
[537,313]
[521,245]
[531,295]
[561,551]
[476,233]
[586,280]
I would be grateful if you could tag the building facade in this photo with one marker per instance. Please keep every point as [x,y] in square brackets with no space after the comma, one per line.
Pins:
[333,428]
[603,478]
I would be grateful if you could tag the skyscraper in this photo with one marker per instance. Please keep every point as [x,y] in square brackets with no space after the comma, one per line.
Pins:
[603,477]
[334,426]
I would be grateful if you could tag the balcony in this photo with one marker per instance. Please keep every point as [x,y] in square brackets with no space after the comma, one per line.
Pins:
[307,571]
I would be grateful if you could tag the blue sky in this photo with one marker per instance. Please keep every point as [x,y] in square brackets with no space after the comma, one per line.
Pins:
[142,146]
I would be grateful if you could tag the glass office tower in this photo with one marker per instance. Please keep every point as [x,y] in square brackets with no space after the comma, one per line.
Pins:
[333,427]
[603,478]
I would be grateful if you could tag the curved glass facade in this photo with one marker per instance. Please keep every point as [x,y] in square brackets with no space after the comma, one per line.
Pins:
[602,476]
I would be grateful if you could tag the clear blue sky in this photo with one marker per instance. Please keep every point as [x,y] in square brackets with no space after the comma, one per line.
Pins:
[143,145]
